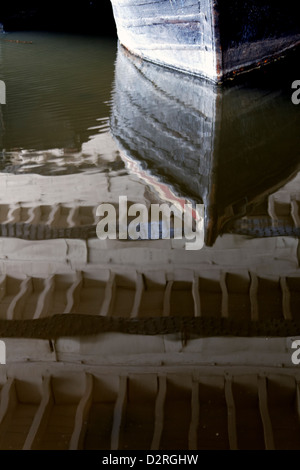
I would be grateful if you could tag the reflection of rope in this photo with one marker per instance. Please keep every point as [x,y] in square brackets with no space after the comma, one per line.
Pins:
[63,325]
[262,227]
[27,231]
[45,232]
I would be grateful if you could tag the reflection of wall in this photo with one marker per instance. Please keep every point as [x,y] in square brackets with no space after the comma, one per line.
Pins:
[61,267]
[195,408]
[275,215]
[45,287]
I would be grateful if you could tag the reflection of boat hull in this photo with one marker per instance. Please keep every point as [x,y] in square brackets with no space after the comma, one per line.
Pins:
[223,147]
[163,126]
[211,39]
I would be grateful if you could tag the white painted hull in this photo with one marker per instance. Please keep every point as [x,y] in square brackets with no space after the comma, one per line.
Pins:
[198,37]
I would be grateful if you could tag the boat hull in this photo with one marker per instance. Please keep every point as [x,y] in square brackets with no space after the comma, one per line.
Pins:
[212,39]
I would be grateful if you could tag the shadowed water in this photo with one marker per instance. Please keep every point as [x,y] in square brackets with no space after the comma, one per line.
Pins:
[58,90]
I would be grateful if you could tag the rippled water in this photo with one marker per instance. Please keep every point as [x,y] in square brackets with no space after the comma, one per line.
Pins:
[84,123]
[58,94]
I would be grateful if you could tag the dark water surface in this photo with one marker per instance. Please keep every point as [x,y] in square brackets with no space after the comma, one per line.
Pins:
[58,92]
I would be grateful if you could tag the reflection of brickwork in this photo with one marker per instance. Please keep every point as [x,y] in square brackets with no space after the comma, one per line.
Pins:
[276,215]
[47,222]
[195,409]
[236,295]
